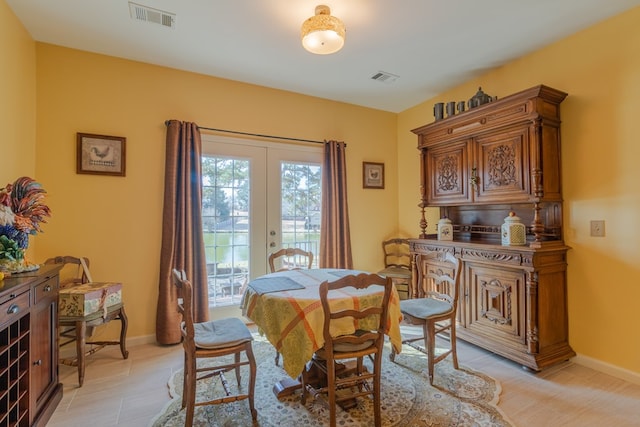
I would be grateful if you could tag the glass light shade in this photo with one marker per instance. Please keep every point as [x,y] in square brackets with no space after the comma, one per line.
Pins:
[323,34]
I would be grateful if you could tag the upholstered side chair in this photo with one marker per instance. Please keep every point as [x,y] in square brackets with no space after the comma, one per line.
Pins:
[436,306]
[212,339]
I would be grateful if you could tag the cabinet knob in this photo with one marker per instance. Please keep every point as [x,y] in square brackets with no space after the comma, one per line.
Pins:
[37,362]
[13,309]
[47,288]
[475,180]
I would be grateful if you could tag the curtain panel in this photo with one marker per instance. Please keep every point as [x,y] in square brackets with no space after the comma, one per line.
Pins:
[182,237]
[335,237]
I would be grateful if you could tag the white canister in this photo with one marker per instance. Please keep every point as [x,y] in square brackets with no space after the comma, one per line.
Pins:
[514,233]
[445,229]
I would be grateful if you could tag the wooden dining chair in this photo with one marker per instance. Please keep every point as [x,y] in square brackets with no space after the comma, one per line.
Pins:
[79,328]
[353,381]
[397,265]
[436,306]
[289,259]
[216,338]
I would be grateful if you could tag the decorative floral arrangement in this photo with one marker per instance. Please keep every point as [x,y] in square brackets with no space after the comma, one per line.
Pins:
[22,210]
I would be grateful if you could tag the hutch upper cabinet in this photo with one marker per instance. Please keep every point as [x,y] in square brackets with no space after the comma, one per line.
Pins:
[476,167]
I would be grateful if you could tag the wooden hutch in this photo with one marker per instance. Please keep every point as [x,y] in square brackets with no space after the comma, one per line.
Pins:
[477,166]
[29,386]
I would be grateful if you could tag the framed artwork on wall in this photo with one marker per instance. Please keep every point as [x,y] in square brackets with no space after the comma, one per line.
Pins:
[101,154]
[372,175]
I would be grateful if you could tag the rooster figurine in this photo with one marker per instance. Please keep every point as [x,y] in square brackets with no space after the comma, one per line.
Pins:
[27,197]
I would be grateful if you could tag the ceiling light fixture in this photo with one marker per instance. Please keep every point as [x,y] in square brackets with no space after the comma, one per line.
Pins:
[323,34]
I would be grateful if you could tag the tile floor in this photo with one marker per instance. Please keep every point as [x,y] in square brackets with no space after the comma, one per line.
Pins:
[131,392]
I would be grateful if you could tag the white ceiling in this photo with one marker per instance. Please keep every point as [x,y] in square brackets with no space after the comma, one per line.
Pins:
[432,45]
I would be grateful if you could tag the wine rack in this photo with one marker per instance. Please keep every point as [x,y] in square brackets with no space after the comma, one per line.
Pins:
[14,373]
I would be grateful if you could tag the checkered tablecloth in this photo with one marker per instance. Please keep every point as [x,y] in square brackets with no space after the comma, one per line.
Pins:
[290,313]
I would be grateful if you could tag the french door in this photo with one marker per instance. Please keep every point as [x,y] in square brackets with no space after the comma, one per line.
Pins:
[257,197]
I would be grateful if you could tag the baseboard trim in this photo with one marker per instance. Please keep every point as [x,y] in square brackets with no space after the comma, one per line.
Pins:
[139,340]
[607,368]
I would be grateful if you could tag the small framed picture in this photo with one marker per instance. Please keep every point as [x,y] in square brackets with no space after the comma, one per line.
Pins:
[101,154]
[372,175]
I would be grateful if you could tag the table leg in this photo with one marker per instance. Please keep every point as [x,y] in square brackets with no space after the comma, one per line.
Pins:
[317,379]
[288,386]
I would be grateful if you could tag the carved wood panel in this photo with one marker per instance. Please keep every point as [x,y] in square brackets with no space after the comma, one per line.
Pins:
[450,169]
[496,301]
[502,165]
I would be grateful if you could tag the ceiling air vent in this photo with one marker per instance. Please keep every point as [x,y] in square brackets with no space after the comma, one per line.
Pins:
[384,77]
[149,14]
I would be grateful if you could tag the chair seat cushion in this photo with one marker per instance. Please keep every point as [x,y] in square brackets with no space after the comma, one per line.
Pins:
[221,333]
[424,308]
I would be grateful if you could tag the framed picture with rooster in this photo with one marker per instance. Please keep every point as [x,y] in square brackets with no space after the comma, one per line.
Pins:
[372,175]
[101,154]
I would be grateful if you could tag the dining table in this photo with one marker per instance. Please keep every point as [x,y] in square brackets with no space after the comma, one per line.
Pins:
[286,308]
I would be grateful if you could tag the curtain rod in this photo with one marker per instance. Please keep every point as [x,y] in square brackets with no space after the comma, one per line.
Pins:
[256,134]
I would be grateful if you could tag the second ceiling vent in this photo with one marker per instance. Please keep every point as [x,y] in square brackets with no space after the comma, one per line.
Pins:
[384,77]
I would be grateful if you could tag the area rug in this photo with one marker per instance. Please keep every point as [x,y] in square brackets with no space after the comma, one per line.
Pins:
[457,398]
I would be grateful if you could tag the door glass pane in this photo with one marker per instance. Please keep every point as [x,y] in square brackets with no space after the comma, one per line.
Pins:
[300,206]
[244,214]
[225,216]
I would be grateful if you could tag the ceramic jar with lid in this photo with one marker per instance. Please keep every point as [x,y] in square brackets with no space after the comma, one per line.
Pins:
[514,232]
[445,229]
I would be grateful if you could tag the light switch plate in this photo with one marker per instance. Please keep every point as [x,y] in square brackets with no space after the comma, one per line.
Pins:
[597,228]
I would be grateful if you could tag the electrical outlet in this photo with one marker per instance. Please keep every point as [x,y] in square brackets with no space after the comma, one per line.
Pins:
[597,228]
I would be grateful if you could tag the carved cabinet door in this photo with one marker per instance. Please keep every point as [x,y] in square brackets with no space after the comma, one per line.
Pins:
[502,166]
[449,168]
[496,302]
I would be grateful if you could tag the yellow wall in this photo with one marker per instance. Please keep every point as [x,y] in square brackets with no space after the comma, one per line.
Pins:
[599,68]
[17,101]
[116,221]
